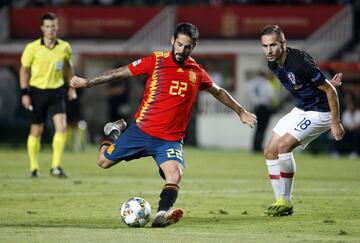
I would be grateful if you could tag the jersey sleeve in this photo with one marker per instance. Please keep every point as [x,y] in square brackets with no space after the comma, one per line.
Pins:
[142,66]
[68,52]
[311,70]
[27,56]
[206,81]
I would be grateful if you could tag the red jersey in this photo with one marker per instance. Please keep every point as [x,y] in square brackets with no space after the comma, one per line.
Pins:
[170,94]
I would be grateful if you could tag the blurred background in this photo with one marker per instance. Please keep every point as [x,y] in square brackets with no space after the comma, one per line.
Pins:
[109,33]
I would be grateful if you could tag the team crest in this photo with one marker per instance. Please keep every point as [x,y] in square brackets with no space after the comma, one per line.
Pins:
[292,78]
[192,77]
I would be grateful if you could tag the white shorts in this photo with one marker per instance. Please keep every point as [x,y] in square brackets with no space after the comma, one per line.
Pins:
[305,126]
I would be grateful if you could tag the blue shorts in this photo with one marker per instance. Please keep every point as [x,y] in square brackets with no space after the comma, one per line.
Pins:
[134,143]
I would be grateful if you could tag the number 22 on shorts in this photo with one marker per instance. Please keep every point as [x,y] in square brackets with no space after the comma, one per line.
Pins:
[301,126]
[174,153]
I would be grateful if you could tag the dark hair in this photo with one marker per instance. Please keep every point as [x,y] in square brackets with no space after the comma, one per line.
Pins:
[187,29]
[273,29]
[48,16]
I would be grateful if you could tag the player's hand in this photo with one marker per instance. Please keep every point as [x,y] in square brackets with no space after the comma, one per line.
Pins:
[336,80]
[26,102]
[248,118]
[77,82]
[72,93]
[337,131]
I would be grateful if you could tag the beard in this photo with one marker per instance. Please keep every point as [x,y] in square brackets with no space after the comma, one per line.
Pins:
[178,58]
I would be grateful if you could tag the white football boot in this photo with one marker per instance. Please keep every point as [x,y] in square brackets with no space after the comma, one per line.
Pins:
[166,218]
[118,125]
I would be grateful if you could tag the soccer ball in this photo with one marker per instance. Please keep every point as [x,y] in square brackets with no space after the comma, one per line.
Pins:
[135,212]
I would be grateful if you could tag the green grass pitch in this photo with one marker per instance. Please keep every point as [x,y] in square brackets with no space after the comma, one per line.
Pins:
[223,194]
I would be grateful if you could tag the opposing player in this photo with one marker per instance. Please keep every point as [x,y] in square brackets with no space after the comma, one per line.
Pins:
[43,65]
[174,79]
[316,111]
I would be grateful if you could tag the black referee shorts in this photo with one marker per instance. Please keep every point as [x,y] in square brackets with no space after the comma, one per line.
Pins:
[46,102]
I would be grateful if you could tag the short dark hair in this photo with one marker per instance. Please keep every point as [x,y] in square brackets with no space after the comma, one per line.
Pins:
[48,16]
[273,29]
[187,29]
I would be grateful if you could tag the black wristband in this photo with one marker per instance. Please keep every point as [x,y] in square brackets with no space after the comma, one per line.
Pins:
[24,91]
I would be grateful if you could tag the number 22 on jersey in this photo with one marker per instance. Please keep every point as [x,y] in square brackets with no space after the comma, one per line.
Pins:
[178,88]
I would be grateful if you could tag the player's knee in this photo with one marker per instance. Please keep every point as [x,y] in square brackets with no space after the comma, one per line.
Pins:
[61,129]
[174,175]
[283,147]
[36,131]
[36,134]
[177,175]
[270,153]
[104,162]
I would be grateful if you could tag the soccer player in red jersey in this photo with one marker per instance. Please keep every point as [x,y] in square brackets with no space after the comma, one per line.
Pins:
[174,79]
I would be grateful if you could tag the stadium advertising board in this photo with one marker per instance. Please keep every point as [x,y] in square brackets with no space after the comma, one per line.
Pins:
[223,22]
[247,21]
[83,22]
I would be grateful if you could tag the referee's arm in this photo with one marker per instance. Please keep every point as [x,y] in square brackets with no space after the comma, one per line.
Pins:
[68,73]
[25,73]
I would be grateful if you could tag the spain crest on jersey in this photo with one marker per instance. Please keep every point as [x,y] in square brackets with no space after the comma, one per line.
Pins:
[192,77]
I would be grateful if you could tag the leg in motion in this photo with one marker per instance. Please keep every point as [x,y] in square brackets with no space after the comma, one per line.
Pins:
[58,145]
[33,148]
[283,206]
[112,131]
[273,163]
[167,215]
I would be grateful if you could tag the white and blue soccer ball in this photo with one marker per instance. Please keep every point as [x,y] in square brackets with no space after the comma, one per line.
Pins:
[136,212]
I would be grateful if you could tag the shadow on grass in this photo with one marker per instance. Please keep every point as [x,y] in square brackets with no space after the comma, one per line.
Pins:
[78,225]
[227,220]
[198,222]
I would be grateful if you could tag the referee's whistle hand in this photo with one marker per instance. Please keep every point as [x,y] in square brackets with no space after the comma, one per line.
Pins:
[77,82]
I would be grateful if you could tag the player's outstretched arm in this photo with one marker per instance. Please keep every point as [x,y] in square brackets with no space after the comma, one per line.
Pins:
[224,97]
[118,73]
[337,129]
